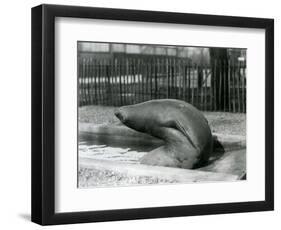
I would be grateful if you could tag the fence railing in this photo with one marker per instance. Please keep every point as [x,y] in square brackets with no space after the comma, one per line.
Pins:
[219,86]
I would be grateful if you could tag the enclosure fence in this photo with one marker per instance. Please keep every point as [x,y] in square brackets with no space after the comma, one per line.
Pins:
[219,86]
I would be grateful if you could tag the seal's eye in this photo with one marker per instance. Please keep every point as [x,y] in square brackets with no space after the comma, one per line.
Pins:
[118,113]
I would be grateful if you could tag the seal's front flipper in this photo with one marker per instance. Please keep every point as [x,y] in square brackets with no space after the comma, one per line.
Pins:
[184,131]
[177,126]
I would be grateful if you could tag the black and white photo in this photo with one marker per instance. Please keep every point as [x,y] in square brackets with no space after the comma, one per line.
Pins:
[160,114]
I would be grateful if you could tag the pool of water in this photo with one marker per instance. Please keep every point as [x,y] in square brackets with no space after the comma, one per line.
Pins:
[112,147]
[231,159]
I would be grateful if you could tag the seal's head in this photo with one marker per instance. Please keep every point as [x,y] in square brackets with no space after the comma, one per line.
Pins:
[133,117]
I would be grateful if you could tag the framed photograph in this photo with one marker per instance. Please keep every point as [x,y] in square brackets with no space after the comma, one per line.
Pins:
[142,114]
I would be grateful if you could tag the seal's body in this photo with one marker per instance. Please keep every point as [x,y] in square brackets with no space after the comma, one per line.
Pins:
[183,128]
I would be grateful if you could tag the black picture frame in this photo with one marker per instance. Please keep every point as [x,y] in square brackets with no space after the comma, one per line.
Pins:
[43,114]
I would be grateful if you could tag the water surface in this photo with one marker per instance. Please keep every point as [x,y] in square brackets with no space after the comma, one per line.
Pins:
[113,147]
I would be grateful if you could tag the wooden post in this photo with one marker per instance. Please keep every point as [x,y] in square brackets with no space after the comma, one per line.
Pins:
[120,81]
[91,82]
[147,81]
[175,89]
[167,77]
[243,89]
[124,78]
[220,82]
[211,88]
[238,87]
[95,73]
[136,84]
[184,77]
[190,83]
[233,87]
[172,78]
[143,78]
[86,81]
[150,70]
[229,86]
[204,87]
[125,82]
[200,84]
[133,81]
[215,84]
[139,80]
[224,85]
[156,79]
[100,81]
[108,77]
[112,76]
[195,81]
[205,78]
[113,81]
[104,88]
[78,80]
[83,81]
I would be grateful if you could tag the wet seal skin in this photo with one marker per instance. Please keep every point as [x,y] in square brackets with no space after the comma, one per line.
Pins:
[185,131]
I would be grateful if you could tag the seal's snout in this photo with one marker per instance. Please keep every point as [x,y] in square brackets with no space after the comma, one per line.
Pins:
[120,115]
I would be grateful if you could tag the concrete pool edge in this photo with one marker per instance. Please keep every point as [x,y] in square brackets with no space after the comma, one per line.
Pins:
[171,174]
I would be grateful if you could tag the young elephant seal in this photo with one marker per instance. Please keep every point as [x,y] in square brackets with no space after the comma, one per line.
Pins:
[183,128]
